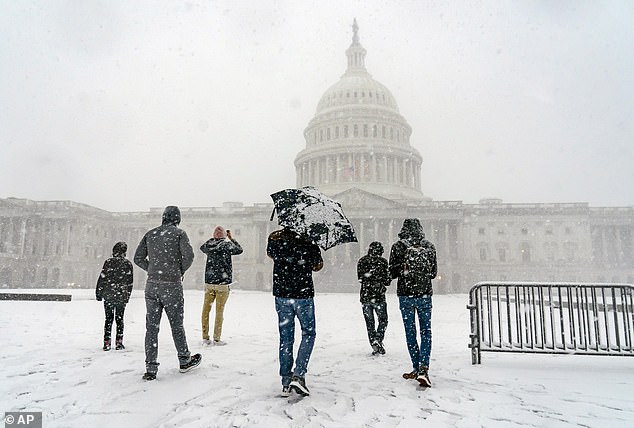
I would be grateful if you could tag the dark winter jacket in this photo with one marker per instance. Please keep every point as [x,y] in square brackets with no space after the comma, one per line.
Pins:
[115,281]
[219,269]
[372,271]
[164,252]
[409,285]
[294,260]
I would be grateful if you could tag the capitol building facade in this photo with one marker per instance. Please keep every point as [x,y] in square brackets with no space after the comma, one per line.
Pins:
[357,150]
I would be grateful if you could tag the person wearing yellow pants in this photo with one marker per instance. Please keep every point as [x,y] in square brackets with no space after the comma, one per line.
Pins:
[218,277]
[219,293]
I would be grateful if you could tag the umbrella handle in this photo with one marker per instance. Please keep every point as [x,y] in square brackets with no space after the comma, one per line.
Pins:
[272,214]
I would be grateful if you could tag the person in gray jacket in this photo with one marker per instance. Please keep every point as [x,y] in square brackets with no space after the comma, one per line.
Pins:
[165,254]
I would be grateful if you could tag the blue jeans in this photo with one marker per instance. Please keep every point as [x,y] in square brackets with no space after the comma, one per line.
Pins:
[287,310]
[409,306]
[369,309]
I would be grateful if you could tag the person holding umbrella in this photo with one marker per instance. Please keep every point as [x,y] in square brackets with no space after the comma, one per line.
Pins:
[309,220]
[295,258]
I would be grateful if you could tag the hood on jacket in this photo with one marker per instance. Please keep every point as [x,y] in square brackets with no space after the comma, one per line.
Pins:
[119,249]
[171,216]
[412,230]
[375,249]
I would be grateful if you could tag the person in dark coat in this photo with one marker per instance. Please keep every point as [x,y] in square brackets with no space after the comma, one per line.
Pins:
[218,277]
[294,260]
[373,274]
[114,287]
[413,263]
[165,254]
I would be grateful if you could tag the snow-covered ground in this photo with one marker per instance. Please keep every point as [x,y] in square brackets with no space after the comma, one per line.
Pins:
[51,361]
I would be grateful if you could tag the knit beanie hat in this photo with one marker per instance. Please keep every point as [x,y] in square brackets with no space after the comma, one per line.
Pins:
[219,232]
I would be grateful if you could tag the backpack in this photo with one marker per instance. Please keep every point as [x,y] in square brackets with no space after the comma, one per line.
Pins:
[417,265]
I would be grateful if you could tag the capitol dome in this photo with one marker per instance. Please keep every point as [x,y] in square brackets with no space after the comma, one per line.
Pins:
[354,89]
[358,138]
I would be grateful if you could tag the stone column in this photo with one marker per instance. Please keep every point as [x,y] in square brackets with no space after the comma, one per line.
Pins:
[373,168]
[384,166]
[417,177]
[394,169]
[351,165]
[309,166]
[23,237]
[337,169]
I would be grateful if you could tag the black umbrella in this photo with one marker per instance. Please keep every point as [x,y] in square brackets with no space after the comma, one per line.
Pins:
[309,212]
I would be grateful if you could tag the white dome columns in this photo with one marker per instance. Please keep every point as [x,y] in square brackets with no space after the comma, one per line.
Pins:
[391,172]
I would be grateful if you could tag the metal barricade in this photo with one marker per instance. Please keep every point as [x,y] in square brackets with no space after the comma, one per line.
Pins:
[554,318]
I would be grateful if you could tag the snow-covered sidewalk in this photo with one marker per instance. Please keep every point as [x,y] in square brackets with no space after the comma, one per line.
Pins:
[51,361]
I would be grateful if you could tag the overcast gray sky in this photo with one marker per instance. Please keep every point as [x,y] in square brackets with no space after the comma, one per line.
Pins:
[129,105]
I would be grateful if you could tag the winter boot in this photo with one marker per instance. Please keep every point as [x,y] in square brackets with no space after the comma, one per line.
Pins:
[119,344]
[149,376]
[194,361]
[376,349]
[106,344]
[381,348]
[411,375]
[423,377]
[286,391]
[298,384]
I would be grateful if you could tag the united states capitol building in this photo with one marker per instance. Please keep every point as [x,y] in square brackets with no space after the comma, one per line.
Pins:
[357,149]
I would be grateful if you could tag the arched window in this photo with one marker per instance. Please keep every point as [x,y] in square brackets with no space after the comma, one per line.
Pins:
[345,131]
[383,131]
[356,130]
[327,133]
[365,130]
[374,131]
[336,132]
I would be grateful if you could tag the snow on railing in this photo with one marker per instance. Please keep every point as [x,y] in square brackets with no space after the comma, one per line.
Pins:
[551,317]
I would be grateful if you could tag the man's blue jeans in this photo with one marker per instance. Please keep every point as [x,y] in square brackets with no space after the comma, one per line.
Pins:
[409,307]
[287,310]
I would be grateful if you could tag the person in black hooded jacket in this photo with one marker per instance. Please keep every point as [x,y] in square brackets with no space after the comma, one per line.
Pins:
[373,274]
[218,278]
[114,287]
[413,263]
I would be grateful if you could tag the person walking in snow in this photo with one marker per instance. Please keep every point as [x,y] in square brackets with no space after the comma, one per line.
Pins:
[373,274]
[165,254]
[114,287]
[294,260]
[413,263]
[218,277]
